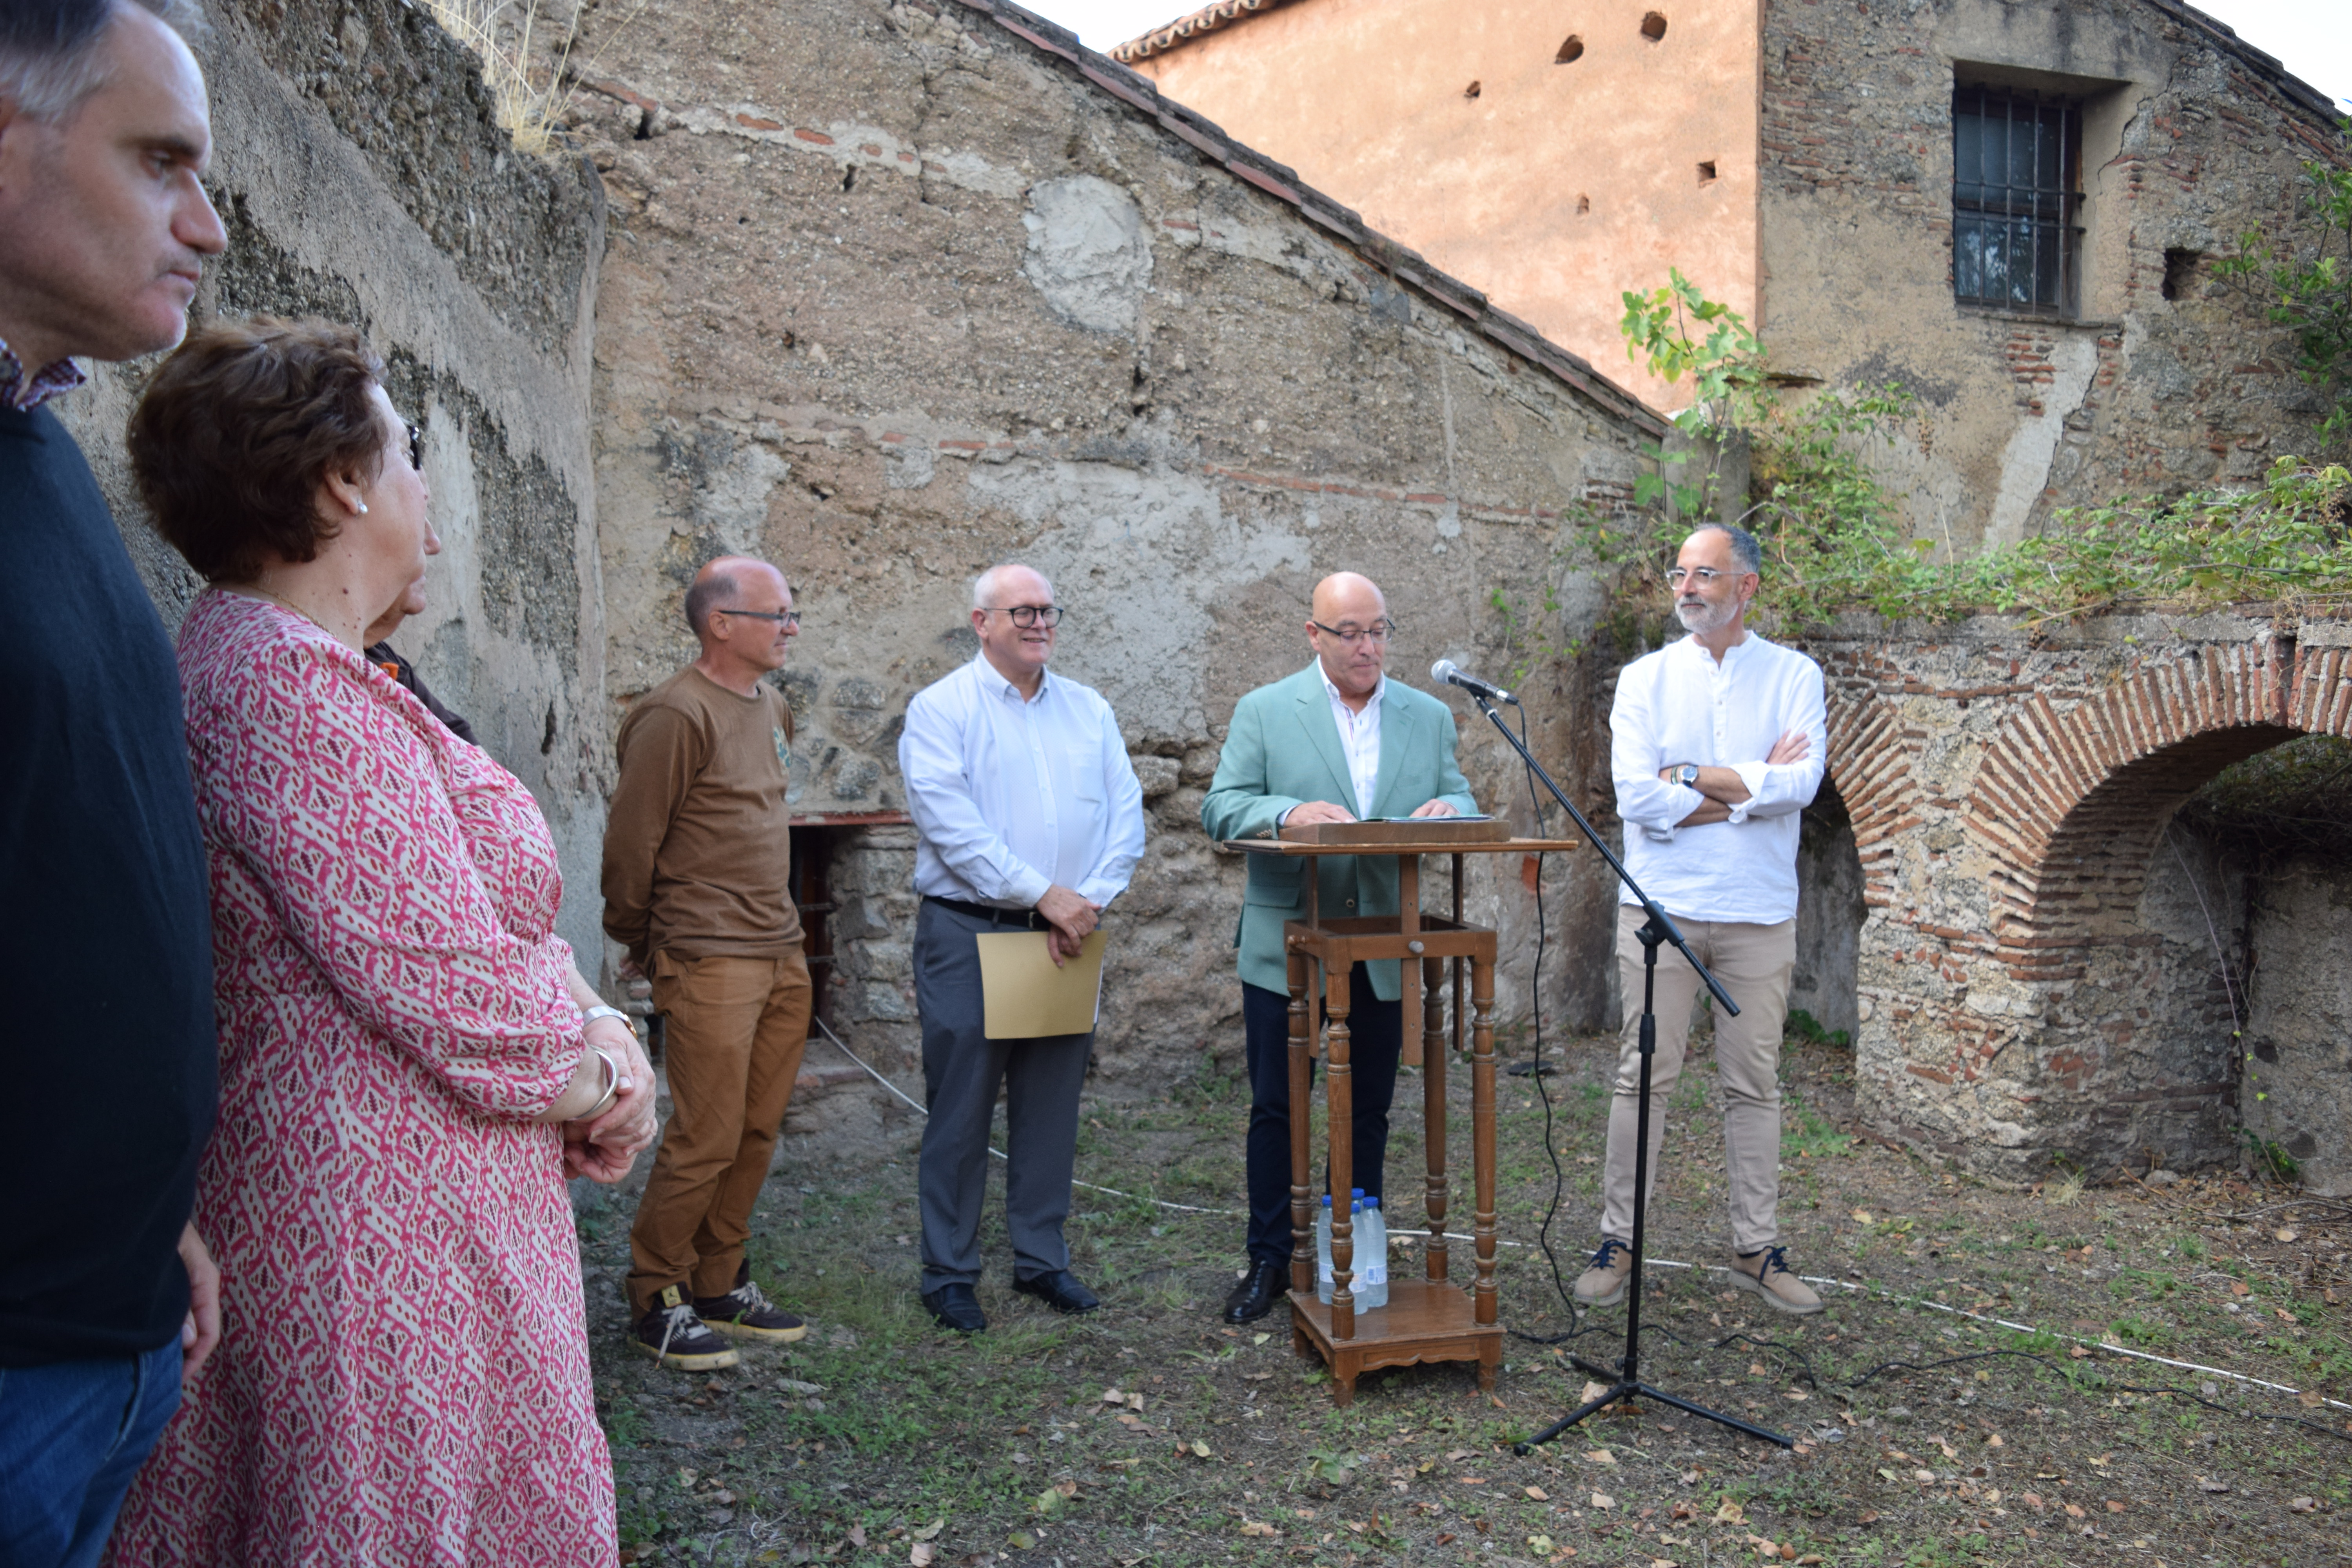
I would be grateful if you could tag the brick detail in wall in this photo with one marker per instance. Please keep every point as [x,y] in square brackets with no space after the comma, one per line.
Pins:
[2069,800]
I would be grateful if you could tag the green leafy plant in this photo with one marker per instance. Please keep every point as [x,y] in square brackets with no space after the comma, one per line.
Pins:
[2303,285]
[1681,333]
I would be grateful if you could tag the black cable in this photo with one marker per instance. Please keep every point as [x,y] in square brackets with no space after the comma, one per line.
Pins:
[1536,1066]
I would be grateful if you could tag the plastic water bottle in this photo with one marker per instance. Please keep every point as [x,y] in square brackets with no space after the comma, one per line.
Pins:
[1323,1284]
[1372,1282]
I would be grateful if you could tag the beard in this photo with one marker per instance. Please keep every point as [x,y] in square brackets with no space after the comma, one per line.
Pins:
[1704,617]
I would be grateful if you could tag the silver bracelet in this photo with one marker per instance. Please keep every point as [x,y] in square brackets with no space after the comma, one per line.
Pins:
[593,1013]
[611,1086]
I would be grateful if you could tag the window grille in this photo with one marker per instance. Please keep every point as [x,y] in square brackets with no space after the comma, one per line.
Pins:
[2016,162]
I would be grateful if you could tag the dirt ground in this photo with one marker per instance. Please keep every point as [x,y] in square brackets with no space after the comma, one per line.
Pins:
[1926,1433]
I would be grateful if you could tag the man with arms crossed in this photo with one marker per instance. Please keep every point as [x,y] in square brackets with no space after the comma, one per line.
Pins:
[1030,819]
[1716,743]
[108,1299]
[698,863]
[1335,742]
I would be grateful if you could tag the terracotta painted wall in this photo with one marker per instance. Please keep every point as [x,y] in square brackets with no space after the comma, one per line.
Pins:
[1558,187]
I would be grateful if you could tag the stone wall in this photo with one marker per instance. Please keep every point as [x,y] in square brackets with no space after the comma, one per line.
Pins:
[2162,379]
[894,292]
[2042,969]
[362,177]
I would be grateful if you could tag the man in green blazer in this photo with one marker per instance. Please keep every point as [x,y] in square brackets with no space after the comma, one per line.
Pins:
[1336,742]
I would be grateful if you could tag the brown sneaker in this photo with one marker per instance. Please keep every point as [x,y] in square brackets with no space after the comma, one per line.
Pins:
[1767,1274]
[1603,1284]
[746,1313]
[674,1336]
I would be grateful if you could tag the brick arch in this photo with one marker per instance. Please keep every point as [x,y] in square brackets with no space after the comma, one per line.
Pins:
[2069,802]
[1870,766]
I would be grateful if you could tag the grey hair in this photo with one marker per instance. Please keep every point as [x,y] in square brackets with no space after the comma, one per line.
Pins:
[984,585]
[49,58]
[1745,547]
[704,596]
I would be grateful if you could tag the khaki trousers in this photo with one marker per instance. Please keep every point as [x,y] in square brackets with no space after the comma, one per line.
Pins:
[1753,963]
[736,1028]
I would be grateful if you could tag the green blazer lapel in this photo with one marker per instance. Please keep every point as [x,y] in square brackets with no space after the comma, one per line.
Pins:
[1400,738]
[1323,733]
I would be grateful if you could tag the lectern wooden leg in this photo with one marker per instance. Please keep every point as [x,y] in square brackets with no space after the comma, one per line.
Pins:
[1433,1067]
[1482,1126]
[1302,1228]
[1339,1083]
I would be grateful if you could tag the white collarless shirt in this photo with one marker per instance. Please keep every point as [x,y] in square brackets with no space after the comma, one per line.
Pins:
[1011,796]
[1360,737]
[1680,705]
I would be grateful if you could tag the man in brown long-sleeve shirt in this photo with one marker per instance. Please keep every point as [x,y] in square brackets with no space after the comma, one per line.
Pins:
[696,864]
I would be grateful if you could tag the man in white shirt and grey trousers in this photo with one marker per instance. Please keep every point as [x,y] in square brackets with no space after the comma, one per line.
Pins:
[1030,819]
[1717,743]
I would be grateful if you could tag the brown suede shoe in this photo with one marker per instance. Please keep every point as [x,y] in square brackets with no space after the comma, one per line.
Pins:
[1603,1284]
[1767,1274]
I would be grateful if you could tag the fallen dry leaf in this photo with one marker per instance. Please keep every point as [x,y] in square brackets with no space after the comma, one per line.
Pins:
[2078,1352]
[1993,1441]
[1793,1393]
[2287,1233]
[931,1530]
[1021,1540]
[1593,1390]
[1888,1474]
[2303,1505]
[857,1536]
[2240,1287]
[1538,1494]
[1684,1509]
[1256,1526]
[919,1554]
[1730,1513]
[1862,1216]
[2032,1500]
[1922,1474]
[2073,1510]
[2206,1484]
[1756,1369]
[1113,1396]
[2311,1399]
[1604,1501]
[1601,1457]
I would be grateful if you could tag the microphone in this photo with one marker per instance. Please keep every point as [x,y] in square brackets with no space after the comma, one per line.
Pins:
[1446,671]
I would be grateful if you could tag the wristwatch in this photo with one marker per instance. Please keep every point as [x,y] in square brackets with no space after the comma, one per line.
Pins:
[594,1014]
[1685,773]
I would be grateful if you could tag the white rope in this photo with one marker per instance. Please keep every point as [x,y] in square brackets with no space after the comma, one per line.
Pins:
[1864,1287]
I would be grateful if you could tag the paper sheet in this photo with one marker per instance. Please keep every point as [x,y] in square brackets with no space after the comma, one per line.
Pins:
[1026,997]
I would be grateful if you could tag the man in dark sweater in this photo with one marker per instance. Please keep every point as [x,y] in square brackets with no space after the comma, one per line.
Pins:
[107,1297]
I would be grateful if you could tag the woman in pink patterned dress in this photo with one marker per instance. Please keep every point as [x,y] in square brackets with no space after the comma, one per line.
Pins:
[405,1073]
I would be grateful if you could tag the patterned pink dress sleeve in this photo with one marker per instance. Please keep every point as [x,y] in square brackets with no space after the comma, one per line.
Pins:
[403,1376]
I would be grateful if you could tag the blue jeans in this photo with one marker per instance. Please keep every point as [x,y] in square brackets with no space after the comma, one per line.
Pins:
[72,1435]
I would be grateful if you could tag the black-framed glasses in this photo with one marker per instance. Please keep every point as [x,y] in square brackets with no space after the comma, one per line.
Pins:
[781,617]
[415,449]
[1379,631]
[1046,616]
[1677,577]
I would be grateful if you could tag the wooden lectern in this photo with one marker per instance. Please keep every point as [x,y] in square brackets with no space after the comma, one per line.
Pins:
[1427,1318]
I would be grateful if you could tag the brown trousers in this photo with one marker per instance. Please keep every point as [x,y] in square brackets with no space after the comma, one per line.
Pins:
[1753,961]
[732,1043]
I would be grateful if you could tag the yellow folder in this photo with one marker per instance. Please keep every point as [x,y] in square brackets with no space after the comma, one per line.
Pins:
[1026,997]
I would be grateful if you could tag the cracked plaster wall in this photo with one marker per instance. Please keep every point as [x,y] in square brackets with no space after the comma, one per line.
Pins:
[891,295]
[362,178]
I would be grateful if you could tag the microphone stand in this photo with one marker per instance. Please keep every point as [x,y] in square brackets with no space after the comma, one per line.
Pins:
[1658,928]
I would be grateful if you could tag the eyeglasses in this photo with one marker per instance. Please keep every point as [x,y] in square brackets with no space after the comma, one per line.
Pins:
[415,449]
[1380,631]
[1677,576]
[1046,616]
[781,617]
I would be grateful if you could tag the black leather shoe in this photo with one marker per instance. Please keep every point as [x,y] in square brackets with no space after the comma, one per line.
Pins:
[1260,1289]
[955,1307]
[1061,1290]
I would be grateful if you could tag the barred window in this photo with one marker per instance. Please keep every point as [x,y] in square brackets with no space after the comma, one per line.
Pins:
[2016,164]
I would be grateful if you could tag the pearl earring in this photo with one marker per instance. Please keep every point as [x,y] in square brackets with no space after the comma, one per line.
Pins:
[362,509]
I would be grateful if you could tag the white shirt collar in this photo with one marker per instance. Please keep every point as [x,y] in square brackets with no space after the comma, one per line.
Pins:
[1330,689]
[992,679]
